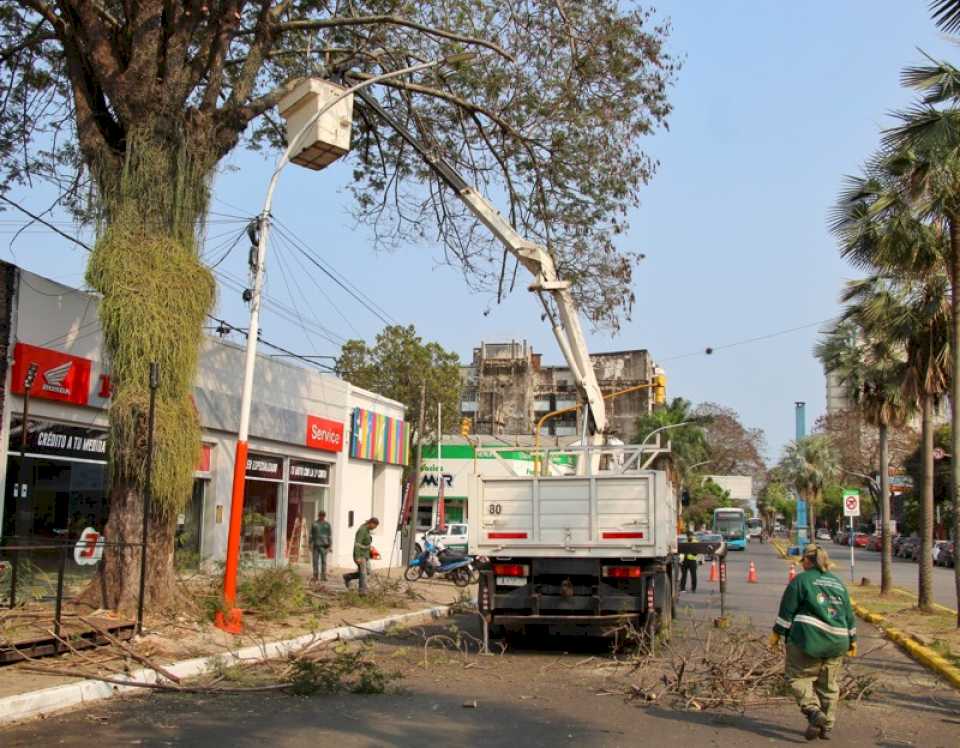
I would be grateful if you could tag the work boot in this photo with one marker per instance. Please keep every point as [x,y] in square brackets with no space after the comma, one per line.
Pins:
[825,733]
[323,578]
[816,722]
[346,581]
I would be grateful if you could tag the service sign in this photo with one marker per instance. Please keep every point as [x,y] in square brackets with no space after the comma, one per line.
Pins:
[60,376]
[851,502]
[324,434]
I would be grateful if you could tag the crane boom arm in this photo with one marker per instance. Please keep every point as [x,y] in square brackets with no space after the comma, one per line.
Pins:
[534,257]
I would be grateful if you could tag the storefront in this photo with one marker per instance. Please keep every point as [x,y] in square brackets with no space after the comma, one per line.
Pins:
[316,442]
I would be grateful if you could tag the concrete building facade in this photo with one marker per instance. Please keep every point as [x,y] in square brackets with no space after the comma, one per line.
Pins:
[316,441]
[507,389]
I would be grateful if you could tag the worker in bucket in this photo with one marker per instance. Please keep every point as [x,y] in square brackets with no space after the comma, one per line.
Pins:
[816,620]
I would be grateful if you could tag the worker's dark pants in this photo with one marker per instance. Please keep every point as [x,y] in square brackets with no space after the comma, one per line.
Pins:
[691,567]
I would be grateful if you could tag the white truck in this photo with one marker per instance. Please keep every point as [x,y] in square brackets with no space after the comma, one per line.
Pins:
[581,554]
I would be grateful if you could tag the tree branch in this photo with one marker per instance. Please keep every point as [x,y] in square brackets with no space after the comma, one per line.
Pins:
[328,23]
[446,96]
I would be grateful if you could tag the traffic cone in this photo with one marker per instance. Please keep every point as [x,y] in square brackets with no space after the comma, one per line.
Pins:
[793,573]
[713,570]
[752,574]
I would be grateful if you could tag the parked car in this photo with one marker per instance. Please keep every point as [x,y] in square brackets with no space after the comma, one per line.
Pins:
[875,543]
[940,552]
[842,538]
[861,539]
[946,557]
[711,537]
[910,549]
[897,542]
[453,536]
[823,534]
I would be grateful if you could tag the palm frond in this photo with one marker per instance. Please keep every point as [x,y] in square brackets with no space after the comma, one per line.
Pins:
[946,14]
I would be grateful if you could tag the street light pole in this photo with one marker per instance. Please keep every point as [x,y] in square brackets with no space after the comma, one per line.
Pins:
[231,619]
[23,512]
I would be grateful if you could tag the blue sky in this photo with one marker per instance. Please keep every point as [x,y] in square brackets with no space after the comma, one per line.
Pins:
[775,103]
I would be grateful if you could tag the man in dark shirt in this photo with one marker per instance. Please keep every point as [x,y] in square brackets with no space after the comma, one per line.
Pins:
[320,541]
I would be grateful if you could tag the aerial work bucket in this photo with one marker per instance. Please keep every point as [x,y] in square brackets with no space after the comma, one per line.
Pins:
[327,139]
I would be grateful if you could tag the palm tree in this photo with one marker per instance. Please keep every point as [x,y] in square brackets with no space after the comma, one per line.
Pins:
[809,464]
[871,370]
[917,312]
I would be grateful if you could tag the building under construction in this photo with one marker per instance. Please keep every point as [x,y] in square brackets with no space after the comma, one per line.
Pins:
[506,389]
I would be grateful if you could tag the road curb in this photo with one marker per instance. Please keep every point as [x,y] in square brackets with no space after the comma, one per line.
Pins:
[58,698]
[922,654]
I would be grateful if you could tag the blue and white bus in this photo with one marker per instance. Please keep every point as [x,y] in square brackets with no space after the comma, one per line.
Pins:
[731,523]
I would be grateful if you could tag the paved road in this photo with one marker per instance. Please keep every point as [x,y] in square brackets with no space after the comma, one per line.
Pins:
[547,697]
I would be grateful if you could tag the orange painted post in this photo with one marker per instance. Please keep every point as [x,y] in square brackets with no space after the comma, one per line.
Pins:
[230,619]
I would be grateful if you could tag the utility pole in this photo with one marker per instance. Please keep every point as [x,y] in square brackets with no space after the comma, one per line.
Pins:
[408,549]
[801,425]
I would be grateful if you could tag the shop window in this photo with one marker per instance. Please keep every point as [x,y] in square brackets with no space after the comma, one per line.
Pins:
[261,500]
[306,498]
[189,527]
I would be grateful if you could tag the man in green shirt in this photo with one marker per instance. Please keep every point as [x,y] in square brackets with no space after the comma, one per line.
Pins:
[817,621]
[320,542]
[362,543]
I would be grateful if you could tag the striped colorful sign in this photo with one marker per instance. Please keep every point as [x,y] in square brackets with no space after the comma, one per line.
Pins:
[379,438]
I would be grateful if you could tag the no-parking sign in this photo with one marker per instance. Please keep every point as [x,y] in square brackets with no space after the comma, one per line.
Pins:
[851,502]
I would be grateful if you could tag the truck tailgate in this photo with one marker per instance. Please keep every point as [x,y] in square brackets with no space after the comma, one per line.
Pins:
[595,516]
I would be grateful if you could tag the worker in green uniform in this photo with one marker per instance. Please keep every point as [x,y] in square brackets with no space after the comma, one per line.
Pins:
[320,542]
[817,621]
[362,543]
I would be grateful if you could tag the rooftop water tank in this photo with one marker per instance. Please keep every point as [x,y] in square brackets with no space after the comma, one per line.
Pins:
[328,138]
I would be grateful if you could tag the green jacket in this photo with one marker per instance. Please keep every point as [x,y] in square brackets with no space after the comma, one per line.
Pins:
[320,534]
[816,616]
[362,542]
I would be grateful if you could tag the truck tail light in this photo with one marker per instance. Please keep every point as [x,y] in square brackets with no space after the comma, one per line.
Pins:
[622,572]
[511,570]
[621,536]
[506,536]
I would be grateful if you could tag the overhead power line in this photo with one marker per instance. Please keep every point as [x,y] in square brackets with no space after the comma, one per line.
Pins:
[709,350]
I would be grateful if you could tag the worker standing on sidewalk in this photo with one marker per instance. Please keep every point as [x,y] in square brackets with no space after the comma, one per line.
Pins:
[817,621]
[689,566]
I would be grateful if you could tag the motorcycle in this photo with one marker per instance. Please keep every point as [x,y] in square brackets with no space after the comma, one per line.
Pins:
[434,559]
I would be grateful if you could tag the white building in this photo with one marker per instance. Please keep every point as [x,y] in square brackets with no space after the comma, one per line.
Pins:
[316,442]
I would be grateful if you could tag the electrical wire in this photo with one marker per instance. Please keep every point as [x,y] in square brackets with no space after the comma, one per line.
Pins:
[710,350]
[324,267]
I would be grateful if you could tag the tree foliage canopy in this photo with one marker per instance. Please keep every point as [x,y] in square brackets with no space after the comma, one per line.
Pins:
[551,114]
[397,364]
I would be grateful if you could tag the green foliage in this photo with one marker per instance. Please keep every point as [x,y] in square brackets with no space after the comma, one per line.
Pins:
[808,465]
[705,496]
[347,671]
[396,366]
[156,294]
[689,443]
[274,593]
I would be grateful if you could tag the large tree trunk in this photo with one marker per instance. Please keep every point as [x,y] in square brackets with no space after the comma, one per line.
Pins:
[886,551]
[955,397]
[117,584]
[925,581]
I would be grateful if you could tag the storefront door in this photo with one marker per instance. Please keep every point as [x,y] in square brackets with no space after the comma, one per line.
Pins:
[306,498]
[189,524]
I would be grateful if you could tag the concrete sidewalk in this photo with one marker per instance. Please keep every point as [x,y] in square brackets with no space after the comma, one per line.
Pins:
[185,647]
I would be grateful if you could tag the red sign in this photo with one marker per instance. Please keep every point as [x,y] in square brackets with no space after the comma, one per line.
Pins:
[205,452]
[59,375]
[322,433]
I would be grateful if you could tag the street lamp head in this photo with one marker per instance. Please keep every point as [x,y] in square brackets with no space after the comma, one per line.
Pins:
[31,375]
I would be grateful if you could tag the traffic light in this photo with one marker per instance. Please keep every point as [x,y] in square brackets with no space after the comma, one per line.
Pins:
[659,389]
[465,424]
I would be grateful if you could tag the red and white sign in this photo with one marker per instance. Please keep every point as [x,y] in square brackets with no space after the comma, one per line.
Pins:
[89,548]
[851,503]
[60,376]
[322,433]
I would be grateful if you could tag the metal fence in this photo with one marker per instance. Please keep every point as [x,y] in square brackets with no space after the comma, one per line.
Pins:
[38,580]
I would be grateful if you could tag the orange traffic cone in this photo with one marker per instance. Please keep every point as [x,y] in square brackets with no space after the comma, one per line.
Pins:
[713,570]
[752,574]
[793,573]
